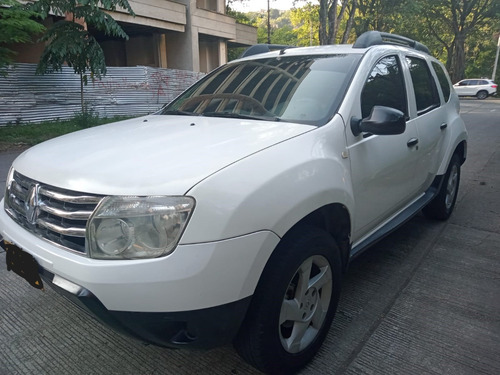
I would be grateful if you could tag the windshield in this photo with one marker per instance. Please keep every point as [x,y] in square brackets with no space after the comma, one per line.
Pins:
[303,89]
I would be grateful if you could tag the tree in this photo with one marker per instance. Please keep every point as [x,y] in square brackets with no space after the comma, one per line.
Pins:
[16,26]
[68,41]
[331,13]
[481,49]
[379,15]
[452,23]
[305,21]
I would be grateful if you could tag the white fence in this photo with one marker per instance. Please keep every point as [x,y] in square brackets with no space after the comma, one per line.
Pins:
[26,97]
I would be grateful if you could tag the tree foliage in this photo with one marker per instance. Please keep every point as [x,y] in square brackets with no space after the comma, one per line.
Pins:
[305,21]
[68,41]
[455,22]
[331,14]
[462,33]
[17,25]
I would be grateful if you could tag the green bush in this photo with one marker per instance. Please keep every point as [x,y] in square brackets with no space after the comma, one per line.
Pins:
[20,135]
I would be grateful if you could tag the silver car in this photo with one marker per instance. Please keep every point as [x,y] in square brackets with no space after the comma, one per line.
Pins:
[480,88]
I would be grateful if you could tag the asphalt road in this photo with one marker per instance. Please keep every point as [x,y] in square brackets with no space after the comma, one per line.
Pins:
[426,300]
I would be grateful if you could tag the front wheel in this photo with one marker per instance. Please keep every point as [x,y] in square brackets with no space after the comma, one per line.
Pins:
[442,205]
[294,303]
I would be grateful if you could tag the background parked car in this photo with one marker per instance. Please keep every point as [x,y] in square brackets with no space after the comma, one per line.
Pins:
[480,88]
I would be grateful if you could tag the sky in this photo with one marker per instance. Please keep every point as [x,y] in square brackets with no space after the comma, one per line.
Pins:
[256,5]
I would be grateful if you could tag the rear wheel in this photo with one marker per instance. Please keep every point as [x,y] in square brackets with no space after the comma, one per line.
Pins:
[442,205]
[294,303]
[482,94]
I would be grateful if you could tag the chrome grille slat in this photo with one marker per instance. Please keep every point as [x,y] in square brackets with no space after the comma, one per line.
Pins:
[60,216]
[70,231]
[72,215]
[78,199]
[20,192]
[17,205]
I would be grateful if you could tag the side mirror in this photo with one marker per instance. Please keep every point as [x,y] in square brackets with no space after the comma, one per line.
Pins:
[382,121]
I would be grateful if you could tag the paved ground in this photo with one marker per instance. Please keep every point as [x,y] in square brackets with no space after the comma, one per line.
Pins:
[426,300]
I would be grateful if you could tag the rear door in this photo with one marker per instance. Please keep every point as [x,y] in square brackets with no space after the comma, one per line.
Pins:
[472,87]
[428,117]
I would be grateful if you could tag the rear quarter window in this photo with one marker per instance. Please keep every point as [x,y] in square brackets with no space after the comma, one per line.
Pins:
[443,80]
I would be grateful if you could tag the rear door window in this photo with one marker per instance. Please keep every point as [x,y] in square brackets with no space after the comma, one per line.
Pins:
[426,94]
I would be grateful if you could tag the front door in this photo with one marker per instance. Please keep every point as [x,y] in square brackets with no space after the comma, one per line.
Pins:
[382,166]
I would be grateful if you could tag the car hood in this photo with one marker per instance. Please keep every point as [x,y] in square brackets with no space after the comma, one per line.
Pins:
[152,155]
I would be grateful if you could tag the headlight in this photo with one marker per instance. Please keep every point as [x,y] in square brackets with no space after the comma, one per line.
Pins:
[137,227]
[10,179]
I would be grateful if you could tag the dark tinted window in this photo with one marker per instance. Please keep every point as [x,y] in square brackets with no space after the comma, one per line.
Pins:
[443,80]
[423,83]
[385,87]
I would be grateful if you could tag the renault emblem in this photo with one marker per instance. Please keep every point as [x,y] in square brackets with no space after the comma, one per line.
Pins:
[32,204]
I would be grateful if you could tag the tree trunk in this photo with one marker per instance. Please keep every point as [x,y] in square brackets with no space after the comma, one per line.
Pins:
[332,23]
[350,22]
[458,58]
[81,93]
[323,19]
[339,19]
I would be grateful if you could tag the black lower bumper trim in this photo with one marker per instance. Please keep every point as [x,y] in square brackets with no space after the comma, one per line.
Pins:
[204,328]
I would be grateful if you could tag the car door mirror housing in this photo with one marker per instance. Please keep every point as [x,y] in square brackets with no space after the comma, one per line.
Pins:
[382,121]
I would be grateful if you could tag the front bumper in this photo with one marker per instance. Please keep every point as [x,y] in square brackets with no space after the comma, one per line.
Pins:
[205,328]
[196,295]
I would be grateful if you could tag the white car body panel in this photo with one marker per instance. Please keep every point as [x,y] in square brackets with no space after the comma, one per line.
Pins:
[382,167]
[260,193]
[153,155]
[214,273]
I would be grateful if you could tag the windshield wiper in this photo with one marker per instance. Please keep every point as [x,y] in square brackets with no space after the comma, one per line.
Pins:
[177,112]
[240,116]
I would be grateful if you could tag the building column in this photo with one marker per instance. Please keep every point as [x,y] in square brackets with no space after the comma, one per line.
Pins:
[222,52]
[160,42]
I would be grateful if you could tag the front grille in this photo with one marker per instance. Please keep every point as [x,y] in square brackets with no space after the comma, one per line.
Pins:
[56,215]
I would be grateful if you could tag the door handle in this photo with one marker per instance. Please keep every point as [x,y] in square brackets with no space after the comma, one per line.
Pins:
[412,142]
[443,126]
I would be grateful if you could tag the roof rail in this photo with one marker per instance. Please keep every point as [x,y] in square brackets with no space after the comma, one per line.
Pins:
[373,38]
[263,48]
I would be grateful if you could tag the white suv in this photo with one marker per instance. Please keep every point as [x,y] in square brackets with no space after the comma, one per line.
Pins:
[480,88]
[232,214]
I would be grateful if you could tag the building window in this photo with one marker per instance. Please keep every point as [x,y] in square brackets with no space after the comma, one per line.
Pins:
[207,4]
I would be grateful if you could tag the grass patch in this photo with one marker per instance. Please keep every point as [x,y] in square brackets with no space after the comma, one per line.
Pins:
[21,136]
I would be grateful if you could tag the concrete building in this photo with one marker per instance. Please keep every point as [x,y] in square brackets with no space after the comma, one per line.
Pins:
[183,34]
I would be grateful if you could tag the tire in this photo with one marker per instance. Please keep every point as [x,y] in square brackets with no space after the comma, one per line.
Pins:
[482,94]
[442,205]
[294,303]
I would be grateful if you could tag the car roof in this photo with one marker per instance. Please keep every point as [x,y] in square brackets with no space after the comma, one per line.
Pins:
[364,42]
[336,49]
[476,79]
